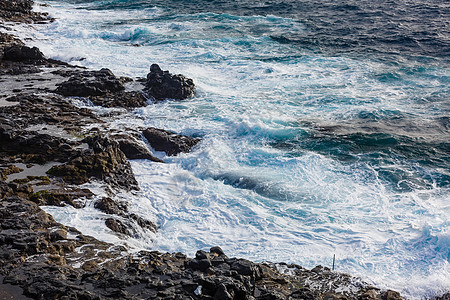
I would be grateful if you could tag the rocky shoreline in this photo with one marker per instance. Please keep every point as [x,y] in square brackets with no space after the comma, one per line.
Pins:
[49,146]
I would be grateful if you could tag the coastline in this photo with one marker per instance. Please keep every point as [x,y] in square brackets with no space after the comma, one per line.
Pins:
[44,133]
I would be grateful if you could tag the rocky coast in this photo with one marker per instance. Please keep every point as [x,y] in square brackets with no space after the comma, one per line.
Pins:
[49,147]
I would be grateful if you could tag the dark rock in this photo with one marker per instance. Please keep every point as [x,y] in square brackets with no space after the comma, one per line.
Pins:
[370,294]
[133,150]
[58,198]
[201,255]
[223,293]
[199,264]
[146,224]
[169,142]
[107,162]
[91,83]
[446,296]
[302,293]
[109,206]
[20,11]
[161,84]
[120,99]
[391,295]
[20,53]
[217,251]
[117,226]
[246,267]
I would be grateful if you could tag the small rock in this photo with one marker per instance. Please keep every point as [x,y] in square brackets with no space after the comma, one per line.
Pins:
[116,226]
[109,206]
[169,142]
[217,251]
[391,295]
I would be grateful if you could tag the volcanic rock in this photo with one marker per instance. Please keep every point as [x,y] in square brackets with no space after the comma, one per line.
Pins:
[161,84]
[134,150]
[116,226]
[91,83]
[169,142]
[20,53]
[120,99]
[104,161]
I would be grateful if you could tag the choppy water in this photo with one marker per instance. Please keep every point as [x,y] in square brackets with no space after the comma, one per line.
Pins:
[325,128]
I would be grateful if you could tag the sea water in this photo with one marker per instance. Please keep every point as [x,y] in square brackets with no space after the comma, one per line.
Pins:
[324,127]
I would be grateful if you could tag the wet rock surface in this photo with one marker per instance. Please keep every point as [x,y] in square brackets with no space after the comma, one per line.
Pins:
[20,11]
[103,160]
[91,83]
[161,85]
[169,142]
[135,150]
[81,267]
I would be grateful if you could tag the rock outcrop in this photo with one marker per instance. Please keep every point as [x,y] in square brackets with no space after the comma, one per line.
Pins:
[169,142]
[103,161]
[161,85]
[91,83]
[19,53]
[74,266]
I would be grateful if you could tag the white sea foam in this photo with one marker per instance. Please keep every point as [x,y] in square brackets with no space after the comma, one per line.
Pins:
[240,188]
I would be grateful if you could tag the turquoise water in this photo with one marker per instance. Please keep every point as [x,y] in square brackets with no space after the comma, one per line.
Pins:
[325,129]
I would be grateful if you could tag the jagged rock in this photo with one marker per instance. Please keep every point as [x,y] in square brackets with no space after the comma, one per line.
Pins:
[169,142]
[23,6]
[143,223]
[85,268]
[161,84]
[391,295]
[246,267]
[41,147]
[91,83]
[217,251]
[104,160]
[109,206]
[21,53]
[61,198]
[302,293]
[120,99]
[134,150]
[117,226]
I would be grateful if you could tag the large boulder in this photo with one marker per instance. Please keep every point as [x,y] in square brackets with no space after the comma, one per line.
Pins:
[91,83]
[19,53]
[169,142]
[161,84]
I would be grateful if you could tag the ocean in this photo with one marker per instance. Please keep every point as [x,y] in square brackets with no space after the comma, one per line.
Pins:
[325,129]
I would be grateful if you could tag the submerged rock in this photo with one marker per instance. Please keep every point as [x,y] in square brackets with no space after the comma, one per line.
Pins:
[161,84]
[169,142]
